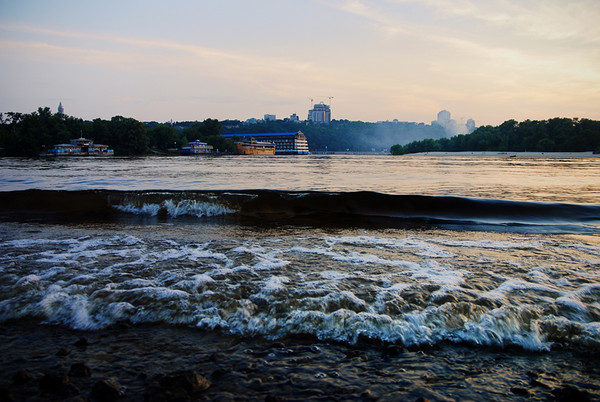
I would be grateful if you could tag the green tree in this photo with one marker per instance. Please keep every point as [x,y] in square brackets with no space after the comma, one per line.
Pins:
[163,137]
[128,135]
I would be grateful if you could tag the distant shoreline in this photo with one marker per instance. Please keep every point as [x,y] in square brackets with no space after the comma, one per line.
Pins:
[588,154]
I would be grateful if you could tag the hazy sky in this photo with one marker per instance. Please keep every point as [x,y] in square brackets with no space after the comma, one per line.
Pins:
[490,60]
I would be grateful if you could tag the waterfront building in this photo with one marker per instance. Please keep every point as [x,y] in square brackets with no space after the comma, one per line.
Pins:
[197,148]
[293,143]
[80,147]
[320,113]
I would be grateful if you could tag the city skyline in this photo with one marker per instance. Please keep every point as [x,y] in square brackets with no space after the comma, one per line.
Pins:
[373,61]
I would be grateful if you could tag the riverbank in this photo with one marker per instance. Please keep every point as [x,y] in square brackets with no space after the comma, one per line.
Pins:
[155,362]
[589,154]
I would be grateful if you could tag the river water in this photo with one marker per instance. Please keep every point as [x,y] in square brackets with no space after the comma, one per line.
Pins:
[324,276]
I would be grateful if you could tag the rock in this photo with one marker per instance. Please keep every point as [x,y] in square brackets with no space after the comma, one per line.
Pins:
[106,390]
[180,385]
[58,384]
[394,351]
[82,342]
[215,357]
[445,299]
[22,376]
[519,391]
[63,352]
[6,394]
[368,395]
[80,370]
[570,393]
[275,398]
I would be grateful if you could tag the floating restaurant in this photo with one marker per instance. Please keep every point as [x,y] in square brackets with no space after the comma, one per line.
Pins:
[80,147]
[197,148]
[294,143]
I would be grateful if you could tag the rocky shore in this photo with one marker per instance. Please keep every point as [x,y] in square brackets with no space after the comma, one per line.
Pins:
[158,363]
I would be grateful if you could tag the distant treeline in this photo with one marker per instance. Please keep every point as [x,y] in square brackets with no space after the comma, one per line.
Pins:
[34,133]
[554,135]
[29,134]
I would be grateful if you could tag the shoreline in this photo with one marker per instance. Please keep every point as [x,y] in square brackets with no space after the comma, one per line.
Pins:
[157,362]
[565,155]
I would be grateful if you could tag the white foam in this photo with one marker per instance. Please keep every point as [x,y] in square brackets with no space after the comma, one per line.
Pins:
[145,209]
[335,275]
[353,257]
[275,284]
[178,208]
[424,248]
[28,280]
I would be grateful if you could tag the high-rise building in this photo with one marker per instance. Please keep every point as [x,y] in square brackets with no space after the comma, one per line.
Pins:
[61,109]
[320,113]
[444,119]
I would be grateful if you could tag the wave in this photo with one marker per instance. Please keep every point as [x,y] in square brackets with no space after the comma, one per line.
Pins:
[319,208]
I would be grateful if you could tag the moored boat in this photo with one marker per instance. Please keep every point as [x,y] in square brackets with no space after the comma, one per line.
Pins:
[79,147]
[253,147]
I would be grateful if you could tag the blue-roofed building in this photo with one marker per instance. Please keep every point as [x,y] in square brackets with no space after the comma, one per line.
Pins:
[294,143]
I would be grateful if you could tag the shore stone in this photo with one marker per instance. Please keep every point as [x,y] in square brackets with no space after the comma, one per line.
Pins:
[82,342]
[80,370]
[570,393]
[106,390]
[58,384]
[180,385]
[63,352]
[22,376]
[6,394]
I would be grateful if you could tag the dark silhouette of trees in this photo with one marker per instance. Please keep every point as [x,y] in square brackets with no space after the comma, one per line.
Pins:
[554,135]
[34,133]
[209,131]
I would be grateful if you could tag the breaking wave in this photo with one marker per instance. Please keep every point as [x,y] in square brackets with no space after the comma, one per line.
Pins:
[315,208]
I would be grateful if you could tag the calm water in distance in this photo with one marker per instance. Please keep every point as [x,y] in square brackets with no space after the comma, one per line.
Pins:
[573,180]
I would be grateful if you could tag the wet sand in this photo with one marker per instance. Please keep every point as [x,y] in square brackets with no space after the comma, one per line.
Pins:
[154,362]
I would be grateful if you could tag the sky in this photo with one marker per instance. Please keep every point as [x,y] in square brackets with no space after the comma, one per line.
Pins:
[187,60]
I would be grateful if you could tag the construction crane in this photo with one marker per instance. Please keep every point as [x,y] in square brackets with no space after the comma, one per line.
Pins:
[311,102]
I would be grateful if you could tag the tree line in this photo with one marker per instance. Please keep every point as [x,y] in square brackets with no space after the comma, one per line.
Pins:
[553,135]
[29,134]
[33,133]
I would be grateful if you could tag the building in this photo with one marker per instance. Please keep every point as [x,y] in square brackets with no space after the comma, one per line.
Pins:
[61,109]
[270,117]
[320,113]
[197,148]
[294,117]
[444,119]
[80,147]
[294,143]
